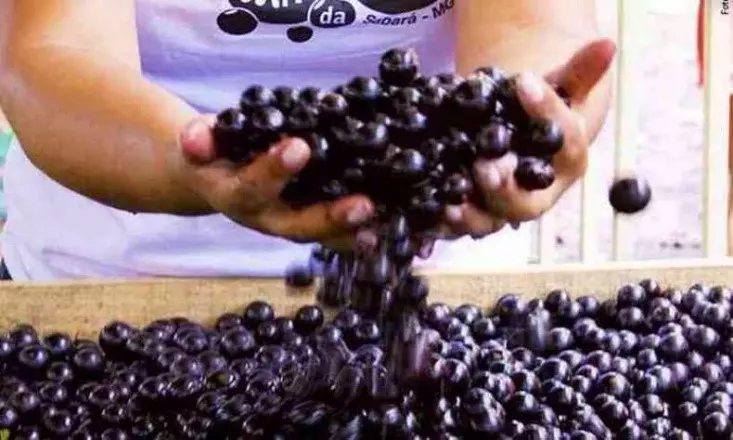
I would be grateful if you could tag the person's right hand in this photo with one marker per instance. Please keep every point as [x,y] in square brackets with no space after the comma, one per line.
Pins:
[250,195]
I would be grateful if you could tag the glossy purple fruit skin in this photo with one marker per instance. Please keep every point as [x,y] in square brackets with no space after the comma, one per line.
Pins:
[649,361]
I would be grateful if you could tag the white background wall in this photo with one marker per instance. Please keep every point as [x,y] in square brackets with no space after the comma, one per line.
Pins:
[670,141]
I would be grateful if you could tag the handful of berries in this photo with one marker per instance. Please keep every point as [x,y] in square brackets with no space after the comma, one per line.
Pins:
[405,140]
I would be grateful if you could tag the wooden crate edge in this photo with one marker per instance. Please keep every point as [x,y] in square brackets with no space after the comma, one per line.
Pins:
[84,307]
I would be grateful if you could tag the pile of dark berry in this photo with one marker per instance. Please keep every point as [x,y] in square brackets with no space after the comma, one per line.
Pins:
[406,141]
[648,364]
[409,142]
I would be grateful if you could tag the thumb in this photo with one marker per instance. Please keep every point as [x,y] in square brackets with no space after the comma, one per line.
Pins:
[249,189]
[268,174]
[196,140]
[584,70]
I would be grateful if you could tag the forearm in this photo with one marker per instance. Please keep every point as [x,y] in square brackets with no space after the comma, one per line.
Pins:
[96,126]
[534,35]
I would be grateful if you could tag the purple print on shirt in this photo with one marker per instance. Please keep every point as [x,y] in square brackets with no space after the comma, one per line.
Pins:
[394,7]
[243,16]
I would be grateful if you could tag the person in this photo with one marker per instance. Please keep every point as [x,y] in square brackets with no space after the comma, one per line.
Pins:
[112,103]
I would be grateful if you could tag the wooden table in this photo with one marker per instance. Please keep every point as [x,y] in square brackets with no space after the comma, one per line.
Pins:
[82,308]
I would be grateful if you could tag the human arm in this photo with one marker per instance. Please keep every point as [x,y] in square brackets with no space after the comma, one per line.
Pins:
[558,41]
[72,87]
[105,131]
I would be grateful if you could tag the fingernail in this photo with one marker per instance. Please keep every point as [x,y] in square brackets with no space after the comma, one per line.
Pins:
[366,240]
[359,215]
[515,225]
[194,144]
[454,214]
[294,154]
[192,131]
[532,87]
[506,166]
[426,250]
[491,175]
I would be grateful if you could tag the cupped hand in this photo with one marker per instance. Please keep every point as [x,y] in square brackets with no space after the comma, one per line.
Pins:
[504,201]
[250,194]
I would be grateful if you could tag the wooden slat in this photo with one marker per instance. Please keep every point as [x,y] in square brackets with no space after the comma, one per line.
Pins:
[546,238]
[84,307]
[590,198]
[630,36]
[715,167]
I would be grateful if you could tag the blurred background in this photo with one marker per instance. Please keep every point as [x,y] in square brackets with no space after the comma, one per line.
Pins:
[669,146]
[670,152]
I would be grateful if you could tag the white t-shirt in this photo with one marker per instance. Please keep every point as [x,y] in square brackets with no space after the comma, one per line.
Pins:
[207,51]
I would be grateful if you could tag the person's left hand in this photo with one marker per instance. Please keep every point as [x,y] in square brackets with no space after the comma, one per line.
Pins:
[504,200]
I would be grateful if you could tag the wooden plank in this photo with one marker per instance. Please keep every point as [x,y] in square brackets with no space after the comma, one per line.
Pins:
[84,307]
[631,17]
[630,34]
[590,194]
[546,237]
[715,143]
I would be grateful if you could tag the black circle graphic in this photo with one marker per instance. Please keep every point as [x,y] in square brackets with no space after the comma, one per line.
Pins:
[244,16]
[237,22]
[286,11]
[332,14]
[300,34]
[394,7]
